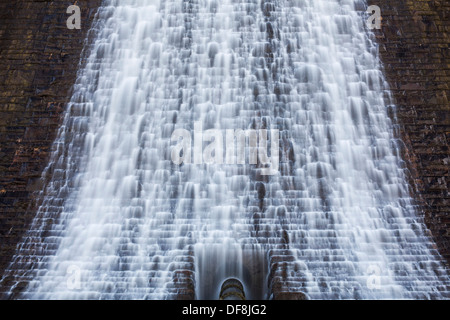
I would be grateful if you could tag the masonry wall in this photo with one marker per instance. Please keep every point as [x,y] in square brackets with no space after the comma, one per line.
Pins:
[40,58]
[415,50]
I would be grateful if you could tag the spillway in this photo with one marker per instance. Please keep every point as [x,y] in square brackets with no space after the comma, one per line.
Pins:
[334,219]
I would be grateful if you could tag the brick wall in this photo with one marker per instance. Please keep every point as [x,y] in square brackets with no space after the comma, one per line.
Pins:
[415,49]
[39,60]
[38,65]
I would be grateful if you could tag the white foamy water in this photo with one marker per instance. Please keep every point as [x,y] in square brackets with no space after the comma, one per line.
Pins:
[119,220]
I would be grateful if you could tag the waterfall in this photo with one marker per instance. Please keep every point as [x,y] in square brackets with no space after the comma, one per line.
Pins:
[119,219]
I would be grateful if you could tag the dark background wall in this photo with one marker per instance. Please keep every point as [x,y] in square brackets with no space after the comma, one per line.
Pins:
[415,49]
[40,57]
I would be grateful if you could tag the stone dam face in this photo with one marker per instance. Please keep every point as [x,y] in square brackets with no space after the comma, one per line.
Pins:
[94,207]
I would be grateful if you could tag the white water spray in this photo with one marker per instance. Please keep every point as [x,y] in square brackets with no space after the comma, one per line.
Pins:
[120,220]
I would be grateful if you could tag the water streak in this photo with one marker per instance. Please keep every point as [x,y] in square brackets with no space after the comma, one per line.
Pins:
[120,220]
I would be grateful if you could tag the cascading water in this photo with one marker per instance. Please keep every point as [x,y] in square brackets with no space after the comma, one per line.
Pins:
[120,220]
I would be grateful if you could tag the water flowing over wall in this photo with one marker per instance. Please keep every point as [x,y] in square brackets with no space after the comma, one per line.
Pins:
[119,220]
[414,49]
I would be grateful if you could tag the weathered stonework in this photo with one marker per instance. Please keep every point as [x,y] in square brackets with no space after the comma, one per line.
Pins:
[38,65]
[40,58]
[415,51]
